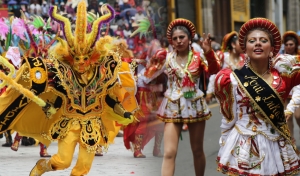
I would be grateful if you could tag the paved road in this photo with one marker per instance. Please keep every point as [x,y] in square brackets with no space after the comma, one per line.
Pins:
[118,161]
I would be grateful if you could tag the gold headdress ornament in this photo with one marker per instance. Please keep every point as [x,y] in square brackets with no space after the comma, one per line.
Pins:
[180,22]
[81,43]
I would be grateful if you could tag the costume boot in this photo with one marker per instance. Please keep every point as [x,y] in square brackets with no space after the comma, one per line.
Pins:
[99,151]
[157,144]
[8,139]
[138,141]
[43,151]
[16,144]
[41,167]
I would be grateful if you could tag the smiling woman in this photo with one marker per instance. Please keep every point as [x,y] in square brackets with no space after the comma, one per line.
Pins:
[255,138]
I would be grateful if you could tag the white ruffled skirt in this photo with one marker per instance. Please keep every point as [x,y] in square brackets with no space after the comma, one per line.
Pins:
[177,109]
[256,156]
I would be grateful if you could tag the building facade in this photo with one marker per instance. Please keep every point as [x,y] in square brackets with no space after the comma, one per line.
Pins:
[219,17]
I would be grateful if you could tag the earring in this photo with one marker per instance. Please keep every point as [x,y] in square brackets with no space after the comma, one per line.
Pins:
[270,63]
[271,54]
[233,50]
[246,62]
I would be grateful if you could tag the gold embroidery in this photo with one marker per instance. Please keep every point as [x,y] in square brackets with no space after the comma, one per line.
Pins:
[254,128]
[257,98]
[256,133]
[38,75]
[37,63]
[246,84]
[93,132]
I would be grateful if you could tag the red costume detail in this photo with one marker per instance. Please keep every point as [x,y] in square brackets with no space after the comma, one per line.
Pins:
[260,23]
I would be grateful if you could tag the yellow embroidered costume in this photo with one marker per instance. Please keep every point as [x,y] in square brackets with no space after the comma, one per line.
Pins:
[84,79]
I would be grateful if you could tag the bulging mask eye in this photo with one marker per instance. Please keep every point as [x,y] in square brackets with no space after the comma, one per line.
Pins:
[86,58]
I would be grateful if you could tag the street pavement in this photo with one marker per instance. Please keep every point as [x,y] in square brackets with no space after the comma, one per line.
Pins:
[120,162]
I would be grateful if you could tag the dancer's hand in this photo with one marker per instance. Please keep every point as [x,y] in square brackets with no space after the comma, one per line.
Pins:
[206,43]
[288,115]
[128,115]
[49,110]
[208,98]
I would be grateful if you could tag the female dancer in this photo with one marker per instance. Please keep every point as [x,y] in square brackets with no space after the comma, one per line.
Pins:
[184,101]
[291,42]
[255,138]
[231,57]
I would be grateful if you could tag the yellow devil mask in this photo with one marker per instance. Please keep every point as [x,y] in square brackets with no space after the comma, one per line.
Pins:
[79,49]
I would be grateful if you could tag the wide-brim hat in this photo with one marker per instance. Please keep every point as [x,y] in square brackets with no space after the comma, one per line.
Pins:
[292,34]
[264,24]
[226,39]
[180,22]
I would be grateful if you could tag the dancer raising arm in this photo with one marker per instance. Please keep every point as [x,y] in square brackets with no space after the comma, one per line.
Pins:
[183,101]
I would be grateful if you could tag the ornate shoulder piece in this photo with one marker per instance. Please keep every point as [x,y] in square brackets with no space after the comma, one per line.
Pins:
[285,63]
[223,91]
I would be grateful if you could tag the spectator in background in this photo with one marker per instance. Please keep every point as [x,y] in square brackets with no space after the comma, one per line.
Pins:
[165,44]
[122,21]
[62,9]
[214,45]
[139,15]
[45,10]
[149,10]
[145,4]
[130,43]
[132,20]
[154,5]
[119,32]
[103,1]
[125,5]
[126,31]
[120,2]
[35,8]
[69,9]
[131,3]
[128,16]
[195,43]
[99,8]
[118,11]
[93,7]
[25,11]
